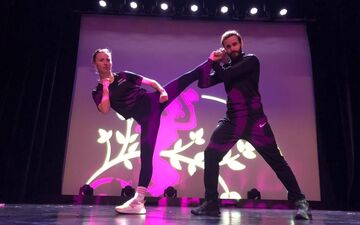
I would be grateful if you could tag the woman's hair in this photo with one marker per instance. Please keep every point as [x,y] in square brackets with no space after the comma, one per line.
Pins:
[230,33]
[105,50]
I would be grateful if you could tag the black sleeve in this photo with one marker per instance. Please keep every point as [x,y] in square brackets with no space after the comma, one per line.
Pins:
[244,67]
[97,94]
[133,77]
[206,79]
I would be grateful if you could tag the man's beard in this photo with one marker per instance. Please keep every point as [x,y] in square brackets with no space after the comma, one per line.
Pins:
[235,55]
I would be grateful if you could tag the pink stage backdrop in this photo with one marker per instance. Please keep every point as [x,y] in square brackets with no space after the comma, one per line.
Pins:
[103,150]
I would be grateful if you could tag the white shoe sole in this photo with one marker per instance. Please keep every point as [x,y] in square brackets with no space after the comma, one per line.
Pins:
[129,211]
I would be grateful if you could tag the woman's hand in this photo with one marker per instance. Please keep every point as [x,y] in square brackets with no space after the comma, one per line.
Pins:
[163,96]
[104,105]
[105,82]
[154,84]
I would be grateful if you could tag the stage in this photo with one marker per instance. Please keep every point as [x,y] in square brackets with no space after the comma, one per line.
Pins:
[46,214]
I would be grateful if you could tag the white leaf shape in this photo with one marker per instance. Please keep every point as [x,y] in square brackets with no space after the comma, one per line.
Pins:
[133,138]
[249,154]
[225,195]
[227,156]
[230,195]
[192,135]
[235,195]
[175,163]
[240,145]
[191,169]
[199,133]
[133,147]
[128,164]
[235,165]
[199,141]
[120,137]
[178,145]
[104,136]
[197,136]
[199,157]
[120,116]
[247,150]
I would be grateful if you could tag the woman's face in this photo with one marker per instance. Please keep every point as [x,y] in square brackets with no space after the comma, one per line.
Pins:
[103,63]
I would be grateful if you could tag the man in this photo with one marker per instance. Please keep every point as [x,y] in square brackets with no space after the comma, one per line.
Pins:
[245,119]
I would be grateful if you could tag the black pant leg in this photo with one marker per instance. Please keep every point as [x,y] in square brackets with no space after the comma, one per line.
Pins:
[263,140]
[178,85]
[222,140]
[148,114]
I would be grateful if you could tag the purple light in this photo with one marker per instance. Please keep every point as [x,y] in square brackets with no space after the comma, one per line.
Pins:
[164,175]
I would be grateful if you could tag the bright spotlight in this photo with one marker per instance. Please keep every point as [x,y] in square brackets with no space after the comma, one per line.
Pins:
[224,9]
[102,3]
[253,10]
[164,6]
[194,8]
[283,12]
[133,5]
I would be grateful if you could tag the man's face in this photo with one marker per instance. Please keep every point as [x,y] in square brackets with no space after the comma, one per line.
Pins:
[232,47]
[103,63]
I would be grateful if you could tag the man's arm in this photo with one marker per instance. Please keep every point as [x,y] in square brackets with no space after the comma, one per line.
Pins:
[240,69]
[210,80]
[206,79]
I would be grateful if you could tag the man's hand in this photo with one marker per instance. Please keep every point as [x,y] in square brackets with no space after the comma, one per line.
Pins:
[217,55]
[163,96]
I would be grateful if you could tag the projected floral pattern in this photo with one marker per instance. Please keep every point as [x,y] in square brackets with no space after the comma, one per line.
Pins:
[176,155]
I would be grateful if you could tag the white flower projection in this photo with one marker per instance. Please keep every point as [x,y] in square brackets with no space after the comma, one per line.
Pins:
[176,156]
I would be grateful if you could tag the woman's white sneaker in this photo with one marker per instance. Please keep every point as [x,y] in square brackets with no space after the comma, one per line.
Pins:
[132,206]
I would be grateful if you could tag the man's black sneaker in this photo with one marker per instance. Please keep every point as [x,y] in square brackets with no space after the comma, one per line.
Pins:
[303,211]
[208,208]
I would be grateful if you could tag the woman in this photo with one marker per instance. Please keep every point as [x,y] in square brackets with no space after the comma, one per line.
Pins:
[122,92]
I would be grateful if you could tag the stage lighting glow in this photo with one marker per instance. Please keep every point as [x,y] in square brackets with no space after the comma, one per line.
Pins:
[133,5]
[164,6]
[194,8]
[102,3]
[253,11]
[283,12]
[213,98]
[224,9]
[114,143]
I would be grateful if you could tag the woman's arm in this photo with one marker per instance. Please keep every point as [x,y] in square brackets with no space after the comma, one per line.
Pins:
[154,84]
[104,105]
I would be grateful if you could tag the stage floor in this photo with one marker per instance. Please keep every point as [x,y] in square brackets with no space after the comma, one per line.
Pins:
[29,214]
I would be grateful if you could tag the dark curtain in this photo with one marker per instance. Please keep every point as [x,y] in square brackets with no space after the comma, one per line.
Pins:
[39,46]
[334,45]
[38,65]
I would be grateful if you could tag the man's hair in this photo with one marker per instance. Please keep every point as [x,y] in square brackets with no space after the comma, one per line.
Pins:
[230,33]
[97,51]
